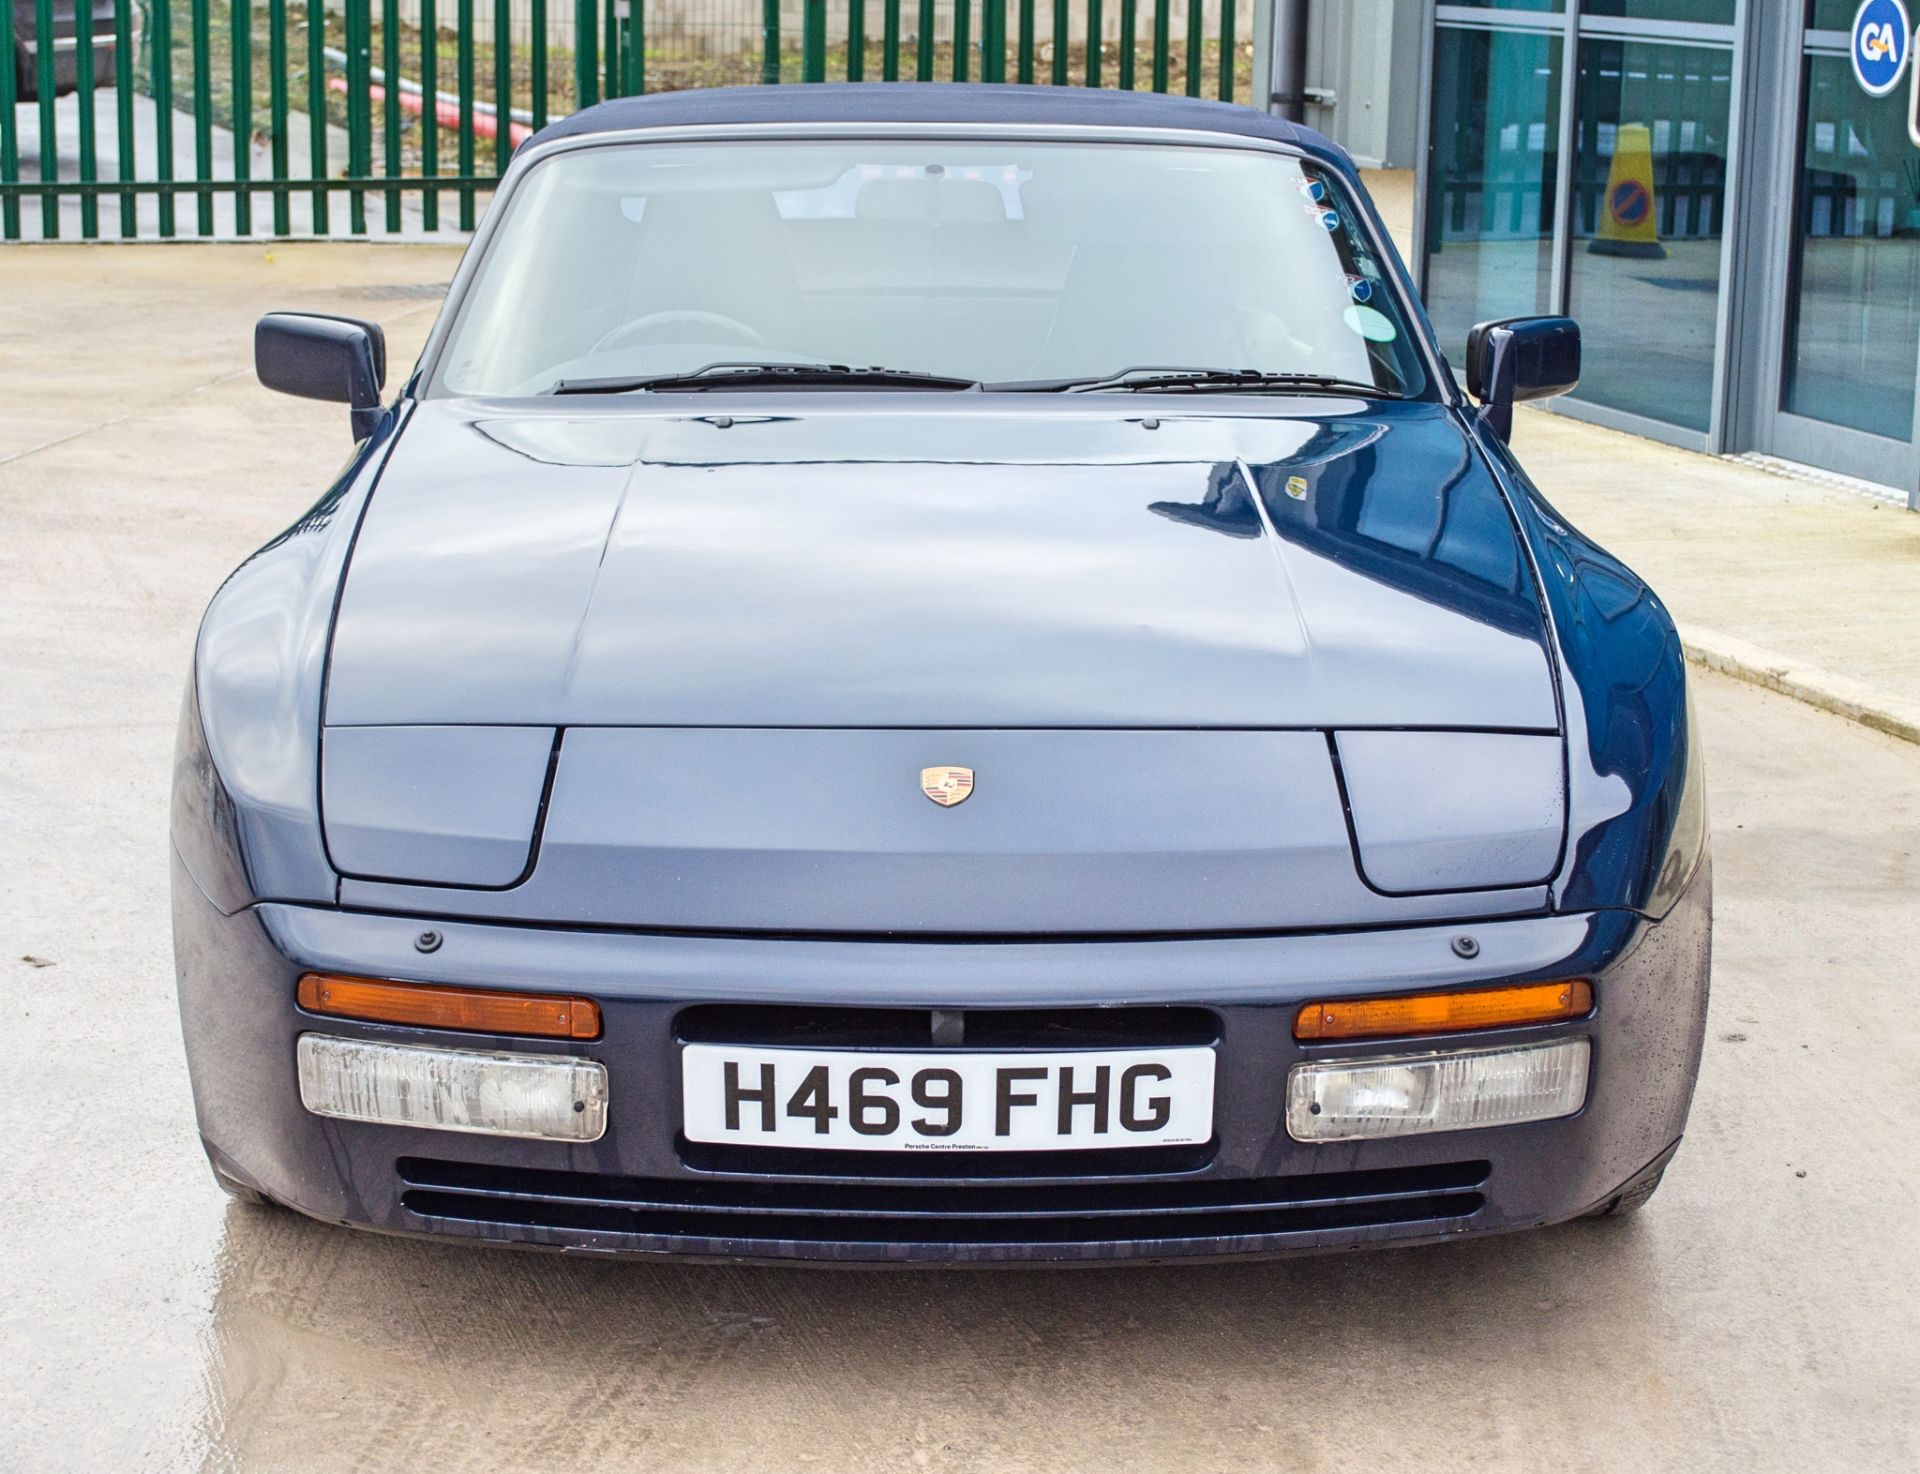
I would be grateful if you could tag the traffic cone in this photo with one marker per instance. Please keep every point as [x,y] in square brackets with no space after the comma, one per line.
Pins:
[1627,225]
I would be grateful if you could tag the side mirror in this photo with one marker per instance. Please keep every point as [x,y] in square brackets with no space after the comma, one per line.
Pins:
[1520,358]
[316,357]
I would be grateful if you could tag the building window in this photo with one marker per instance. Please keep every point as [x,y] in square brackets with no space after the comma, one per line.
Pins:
[1649,213]
[1490,180]
[1853,305]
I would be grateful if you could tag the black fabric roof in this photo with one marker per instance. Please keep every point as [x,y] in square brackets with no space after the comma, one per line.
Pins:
[929,102]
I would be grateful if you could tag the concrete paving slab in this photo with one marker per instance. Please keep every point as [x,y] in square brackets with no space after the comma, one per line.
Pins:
[95,333]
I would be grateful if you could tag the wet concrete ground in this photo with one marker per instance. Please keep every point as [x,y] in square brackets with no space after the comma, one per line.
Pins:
[1763,1313]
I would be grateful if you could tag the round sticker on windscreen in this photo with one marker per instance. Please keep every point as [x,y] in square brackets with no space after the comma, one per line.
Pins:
[1374,326]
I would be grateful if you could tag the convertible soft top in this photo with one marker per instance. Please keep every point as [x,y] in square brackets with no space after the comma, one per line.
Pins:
[932,102]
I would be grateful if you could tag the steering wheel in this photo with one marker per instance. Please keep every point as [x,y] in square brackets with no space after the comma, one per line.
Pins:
[649,329]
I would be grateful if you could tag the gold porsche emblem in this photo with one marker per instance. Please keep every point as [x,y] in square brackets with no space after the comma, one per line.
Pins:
[946,786]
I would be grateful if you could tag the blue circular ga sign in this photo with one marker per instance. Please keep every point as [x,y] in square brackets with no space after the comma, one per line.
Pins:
[1881,36]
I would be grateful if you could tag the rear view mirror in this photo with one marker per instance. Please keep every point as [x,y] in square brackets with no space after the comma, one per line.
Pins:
[340,359]
[1520,358]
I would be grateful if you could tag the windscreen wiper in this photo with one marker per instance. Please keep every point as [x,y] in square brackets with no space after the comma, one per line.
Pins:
[1180,380]
[767,376]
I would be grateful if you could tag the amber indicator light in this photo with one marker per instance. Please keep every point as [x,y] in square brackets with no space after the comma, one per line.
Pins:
[429,1006]
[1444,1013]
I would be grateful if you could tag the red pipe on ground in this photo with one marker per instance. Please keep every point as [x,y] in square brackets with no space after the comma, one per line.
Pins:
[446,111]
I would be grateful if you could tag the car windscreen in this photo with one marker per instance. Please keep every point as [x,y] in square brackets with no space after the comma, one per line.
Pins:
[985,261]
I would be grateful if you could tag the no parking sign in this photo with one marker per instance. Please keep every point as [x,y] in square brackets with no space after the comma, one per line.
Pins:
[1882,35]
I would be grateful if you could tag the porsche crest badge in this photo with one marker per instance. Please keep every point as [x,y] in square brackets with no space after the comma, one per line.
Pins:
[946,786]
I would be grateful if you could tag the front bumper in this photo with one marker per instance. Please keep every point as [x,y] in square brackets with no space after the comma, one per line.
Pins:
[640,1189]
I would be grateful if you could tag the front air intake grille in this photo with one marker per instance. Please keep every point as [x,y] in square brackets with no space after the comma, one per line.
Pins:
[921,1220]
[789,1026]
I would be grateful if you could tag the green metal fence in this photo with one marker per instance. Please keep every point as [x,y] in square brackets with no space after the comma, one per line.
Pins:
[225,118]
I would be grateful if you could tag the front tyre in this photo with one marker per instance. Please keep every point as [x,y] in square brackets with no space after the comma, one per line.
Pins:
[232,1186]
[240,1192]
[1630,1199]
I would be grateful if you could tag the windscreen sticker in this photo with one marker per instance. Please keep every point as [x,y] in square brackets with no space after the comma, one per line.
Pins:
[1328,218]
[1361,288]
[1375,327]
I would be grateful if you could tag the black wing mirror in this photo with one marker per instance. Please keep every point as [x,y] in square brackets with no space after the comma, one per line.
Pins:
[316,357]
[1520,358]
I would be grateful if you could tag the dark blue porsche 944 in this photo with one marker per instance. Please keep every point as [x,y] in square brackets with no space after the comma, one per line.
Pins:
[933,674]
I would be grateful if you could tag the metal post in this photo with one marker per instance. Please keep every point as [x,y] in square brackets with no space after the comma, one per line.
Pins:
[538,64]
[316,113]
[430,109]
[1289,69]
[241,16]
[89,159]
[10,134]
[586,54]
[1748,116]
[502,85]
[1423,149]
[359,108]
[123,110]
[1562,222]
[390,112]
[813,41]
[1228,57]
[463,68]
[160,79]
[49,139]
[610,29]
[635,51]
[202,39]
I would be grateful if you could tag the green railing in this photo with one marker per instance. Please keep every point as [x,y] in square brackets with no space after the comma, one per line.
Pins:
[221,118]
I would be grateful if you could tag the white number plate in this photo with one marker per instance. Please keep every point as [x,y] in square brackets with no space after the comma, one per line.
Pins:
[922,1100]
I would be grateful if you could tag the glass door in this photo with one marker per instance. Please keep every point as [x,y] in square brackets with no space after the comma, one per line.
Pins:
[1847,335]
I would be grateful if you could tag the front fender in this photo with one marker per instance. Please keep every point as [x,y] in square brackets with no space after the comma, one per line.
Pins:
[1636,781]
[246,800]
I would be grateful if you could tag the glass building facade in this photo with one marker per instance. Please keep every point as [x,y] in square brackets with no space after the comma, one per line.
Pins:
[1708,189]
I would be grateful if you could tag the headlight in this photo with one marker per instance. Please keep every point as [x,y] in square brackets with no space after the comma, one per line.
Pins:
[1406,1095]
[547,1096]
